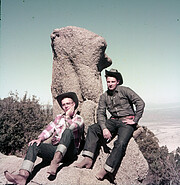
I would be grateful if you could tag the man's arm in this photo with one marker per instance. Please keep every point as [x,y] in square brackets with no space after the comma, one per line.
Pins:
[101,112]
[45,134]
[76,123]
[48,131]
[138,102]
[102,117]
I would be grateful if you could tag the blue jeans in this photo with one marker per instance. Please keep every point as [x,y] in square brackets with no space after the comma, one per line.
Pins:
[95,137]
[46,151]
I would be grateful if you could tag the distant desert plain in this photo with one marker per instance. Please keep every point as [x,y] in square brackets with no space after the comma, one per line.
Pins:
[164,122]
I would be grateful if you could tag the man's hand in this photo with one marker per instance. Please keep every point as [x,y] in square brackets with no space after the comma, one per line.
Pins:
[129,122]
[38,141]
[70,112]
[107,135]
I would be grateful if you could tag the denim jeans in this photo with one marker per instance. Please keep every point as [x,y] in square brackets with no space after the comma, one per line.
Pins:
[95,136]
[46,151]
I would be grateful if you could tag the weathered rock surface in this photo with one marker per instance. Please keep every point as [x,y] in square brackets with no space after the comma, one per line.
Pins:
[78,59]
[133,170]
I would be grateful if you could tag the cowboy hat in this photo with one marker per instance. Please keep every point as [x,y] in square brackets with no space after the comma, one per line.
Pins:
[71,95]
[116,74]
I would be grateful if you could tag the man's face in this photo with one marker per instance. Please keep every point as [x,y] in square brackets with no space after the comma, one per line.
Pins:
[67,103]
[111,83]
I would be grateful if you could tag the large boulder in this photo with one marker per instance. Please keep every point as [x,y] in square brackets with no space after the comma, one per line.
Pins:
[133,170]
[78,59]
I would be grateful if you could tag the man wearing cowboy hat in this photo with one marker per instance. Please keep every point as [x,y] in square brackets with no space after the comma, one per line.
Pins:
[120,102]
[66,131]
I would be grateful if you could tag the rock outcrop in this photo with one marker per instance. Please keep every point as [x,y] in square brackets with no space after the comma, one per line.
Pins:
[78,59]
[133,170]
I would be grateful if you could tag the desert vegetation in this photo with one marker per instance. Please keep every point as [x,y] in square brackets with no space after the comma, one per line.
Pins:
[164,167]
[21,120]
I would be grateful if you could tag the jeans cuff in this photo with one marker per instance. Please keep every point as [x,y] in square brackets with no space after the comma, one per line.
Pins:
[87,153]
[27,165]
[61,148]
[108,168]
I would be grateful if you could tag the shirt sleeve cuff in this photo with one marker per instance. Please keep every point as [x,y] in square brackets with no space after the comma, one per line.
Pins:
[42,138]
[103,126]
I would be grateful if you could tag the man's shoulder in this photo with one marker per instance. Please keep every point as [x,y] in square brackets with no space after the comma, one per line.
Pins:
[58,116]
[77,116]
[104,94]
[79,119]
[122,88]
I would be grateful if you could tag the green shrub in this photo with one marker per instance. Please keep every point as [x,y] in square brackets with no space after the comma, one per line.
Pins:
[164,167]
[21,120]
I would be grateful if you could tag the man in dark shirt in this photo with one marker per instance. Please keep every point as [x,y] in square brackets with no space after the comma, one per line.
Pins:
[126,108]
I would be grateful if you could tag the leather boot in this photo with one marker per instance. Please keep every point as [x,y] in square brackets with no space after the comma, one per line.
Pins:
[85,163]
[55,163]
[20,178]
[100,175]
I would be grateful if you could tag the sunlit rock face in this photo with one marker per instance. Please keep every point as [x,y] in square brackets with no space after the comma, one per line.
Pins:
[133,170]
[78,59]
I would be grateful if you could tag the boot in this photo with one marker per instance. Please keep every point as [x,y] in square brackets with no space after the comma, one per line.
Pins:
[85,163]
[55,163]
[20,178]
[100,175]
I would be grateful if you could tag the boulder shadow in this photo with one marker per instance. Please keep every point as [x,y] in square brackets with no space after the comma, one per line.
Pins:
[53,177]
[44,164]
[37,168]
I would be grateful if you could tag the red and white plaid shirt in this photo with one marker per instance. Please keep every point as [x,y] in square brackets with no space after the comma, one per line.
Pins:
[60,123]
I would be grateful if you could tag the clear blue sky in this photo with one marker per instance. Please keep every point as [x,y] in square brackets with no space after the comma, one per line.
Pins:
[143,41]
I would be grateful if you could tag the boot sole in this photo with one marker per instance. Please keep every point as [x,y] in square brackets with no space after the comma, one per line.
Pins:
[9,177]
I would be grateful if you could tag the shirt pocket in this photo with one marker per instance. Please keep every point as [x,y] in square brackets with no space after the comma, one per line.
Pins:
[121,101]
[109,103]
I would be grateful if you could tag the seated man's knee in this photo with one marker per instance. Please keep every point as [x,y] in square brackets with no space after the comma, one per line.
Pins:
[93,127]
[120,144]
[34,145]
[67,130]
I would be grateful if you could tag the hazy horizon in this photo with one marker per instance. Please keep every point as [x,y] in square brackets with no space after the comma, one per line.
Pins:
[165,124]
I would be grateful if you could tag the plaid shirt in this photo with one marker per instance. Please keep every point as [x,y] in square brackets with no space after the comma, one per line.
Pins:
[60,123]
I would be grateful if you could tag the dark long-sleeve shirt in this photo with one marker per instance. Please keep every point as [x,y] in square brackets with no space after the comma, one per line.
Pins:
[120,104]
